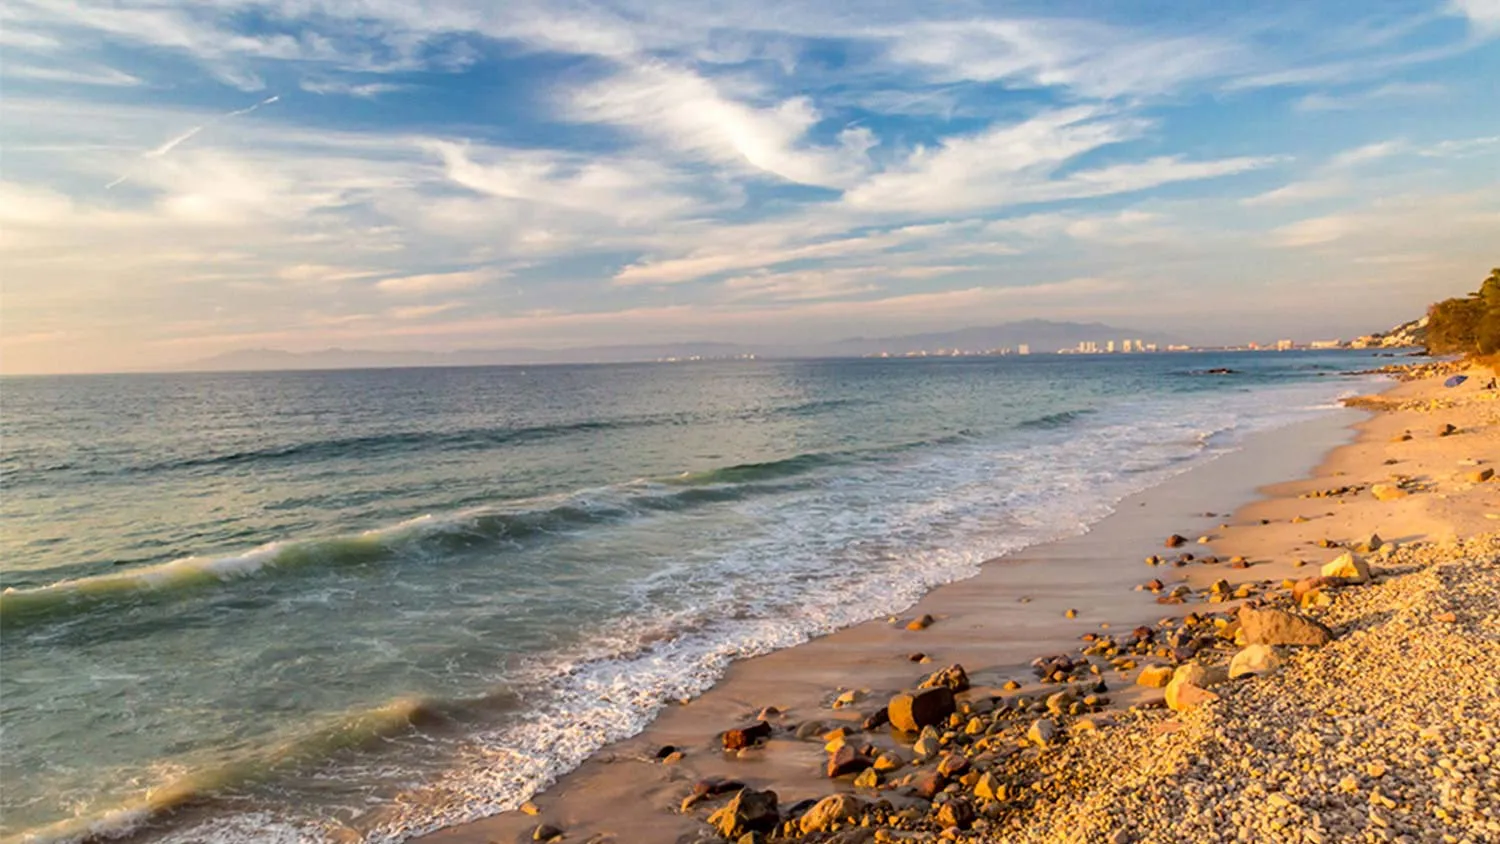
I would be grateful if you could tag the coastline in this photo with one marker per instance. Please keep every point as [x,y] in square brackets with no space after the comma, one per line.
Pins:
[993,624]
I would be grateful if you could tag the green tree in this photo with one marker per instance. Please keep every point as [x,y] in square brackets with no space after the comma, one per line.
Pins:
[1452,325]
[1487,330]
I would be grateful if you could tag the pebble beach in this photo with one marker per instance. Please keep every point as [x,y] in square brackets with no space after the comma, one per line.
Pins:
[1317,665]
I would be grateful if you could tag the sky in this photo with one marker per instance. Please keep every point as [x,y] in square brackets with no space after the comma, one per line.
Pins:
[182,179]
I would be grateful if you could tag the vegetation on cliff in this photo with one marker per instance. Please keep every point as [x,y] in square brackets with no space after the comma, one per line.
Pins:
[1469,324]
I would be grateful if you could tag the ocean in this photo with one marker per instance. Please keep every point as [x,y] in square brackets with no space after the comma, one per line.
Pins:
[356,605]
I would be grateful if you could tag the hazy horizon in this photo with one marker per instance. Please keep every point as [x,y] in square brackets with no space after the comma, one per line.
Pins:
[184,180]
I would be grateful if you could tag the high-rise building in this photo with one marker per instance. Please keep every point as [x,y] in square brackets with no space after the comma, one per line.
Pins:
[1125,346]
[1023,349]
[1110,347]
[1283,345]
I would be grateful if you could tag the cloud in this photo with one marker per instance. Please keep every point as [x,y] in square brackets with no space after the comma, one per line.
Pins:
[1379,96]
[688,112]
[362,90]
[421,285]
[177,140]
[1483,15]
[99,75]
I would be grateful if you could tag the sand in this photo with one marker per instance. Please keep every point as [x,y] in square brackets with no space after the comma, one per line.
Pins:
[1015,609]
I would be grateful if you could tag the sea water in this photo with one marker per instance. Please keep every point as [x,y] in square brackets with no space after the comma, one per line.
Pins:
[289,606]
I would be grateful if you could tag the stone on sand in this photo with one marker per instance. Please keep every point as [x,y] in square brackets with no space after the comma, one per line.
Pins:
[1254,659]
[833,809]
[1348,567]
[1155,676]
[748,811]
[922,708]
[1279,627]
[1388,492]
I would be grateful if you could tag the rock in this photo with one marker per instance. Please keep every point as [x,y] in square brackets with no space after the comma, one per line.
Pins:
[848,698]
[1369,544]
[888,761]
[928,784]
[530,808]
[809,730]
[925,707]
[1348,567]
[921,622]
[1448,617]
[746,736]
[1071,613]
[868,778]
[847,760]
[990,787]
[1220,587]
[546,832]
[664,751]
[1155,676]
[956,812]
[1279,627]
[1186,691]
[1479,476]
[1388,492]
[1447,430]
[1254,659]
[876,719]
[1042,732]
[1176,541]
[768,713]
[954,765]
[833,809]
[954,677]
[748,811]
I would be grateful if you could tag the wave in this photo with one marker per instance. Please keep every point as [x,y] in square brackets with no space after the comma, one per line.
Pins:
[199,788]
[424,537]
[1059,419]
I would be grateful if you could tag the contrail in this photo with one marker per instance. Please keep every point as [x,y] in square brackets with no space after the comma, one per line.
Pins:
[173,143]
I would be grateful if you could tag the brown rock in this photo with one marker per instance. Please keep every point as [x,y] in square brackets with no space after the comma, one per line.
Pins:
[1348,567]
[746,736]
[833,809]
[1447,430]
[928,784]
[921,622]
[546,832]
[1279,627]
[954,677]
[956,812]
[846,760]
[1176,541]
[1155,676]
[923,708]
[748,811]
[1388,492]
[1479,476]
[875,719]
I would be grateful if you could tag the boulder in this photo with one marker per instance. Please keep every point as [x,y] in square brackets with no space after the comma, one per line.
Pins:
[1042,732]
[875,719]
[1155,676]
[1279,627]
[1348,567]
[1254,659]
[956,812]
[847,760]
[1479,476]
[748,811]
[928,784]
[833,809]
[1186,691]
[922,708]
[746,736]
[954,677]
[1388,492]
[1176,541]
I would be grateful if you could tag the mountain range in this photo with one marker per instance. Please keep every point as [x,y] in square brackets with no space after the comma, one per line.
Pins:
[1041,335]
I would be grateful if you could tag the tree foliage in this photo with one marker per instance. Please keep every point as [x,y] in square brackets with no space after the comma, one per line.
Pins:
[1467,325]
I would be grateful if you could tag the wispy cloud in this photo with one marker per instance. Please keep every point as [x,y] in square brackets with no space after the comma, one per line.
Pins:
[1379,96]
[89,75]
[427,283]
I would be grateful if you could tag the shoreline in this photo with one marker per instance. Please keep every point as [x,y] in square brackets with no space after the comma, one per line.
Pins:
[623,793]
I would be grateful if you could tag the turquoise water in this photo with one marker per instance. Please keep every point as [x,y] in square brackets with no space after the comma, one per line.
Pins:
[381,601]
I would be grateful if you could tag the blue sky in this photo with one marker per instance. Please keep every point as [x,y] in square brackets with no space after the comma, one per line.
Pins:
[179,179]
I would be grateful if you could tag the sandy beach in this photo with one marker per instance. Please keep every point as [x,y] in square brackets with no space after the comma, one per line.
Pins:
[974,774]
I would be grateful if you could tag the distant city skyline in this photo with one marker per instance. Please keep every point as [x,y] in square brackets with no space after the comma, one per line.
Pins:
[184,180]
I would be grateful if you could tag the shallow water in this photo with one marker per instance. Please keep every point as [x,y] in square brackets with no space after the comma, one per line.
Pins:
[379,601]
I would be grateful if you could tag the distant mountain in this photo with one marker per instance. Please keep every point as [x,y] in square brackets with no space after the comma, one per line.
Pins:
[1042,336]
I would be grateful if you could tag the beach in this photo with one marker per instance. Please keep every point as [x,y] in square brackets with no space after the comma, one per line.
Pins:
[1089,752]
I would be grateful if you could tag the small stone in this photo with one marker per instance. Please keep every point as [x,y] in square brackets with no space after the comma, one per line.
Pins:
[953,677]
[546,832]
[1254,659]
[746,736]
[1155,676]
[926,707]
[1348,567]
[831,810]
[847,760]
[921,622]
[1479,476]
[1388,492]
[869,778]
[748,811]
[530,808]
[1176,541]
[1071,613]
[1042,732]
[1448,617]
